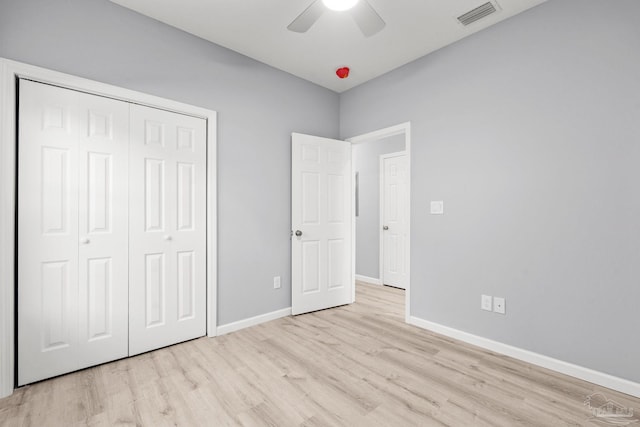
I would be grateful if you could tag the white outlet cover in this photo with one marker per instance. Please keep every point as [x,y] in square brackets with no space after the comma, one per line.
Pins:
[437,207]
[276,282]
[486,303]
[499,305]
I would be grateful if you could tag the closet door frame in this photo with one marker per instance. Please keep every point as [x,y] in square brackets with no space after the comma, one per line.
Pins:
[10,71]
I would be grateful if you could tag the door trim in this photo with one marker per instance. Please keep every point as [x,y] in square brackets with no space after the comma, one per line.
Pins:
[9,72]
[381,199]
[403,128]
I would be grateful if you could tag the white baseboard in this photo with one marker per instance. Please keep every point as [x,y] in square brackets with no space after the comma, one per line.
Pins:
[596,377]
[367,279]
[252,321]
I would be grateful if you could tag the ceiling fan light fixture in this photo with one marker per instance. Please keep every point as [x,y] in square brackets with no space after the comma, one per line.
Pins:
[339,5]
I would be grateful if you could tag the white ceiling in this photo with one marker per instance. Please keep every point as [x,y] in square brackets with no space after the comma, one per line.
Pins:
[258,29]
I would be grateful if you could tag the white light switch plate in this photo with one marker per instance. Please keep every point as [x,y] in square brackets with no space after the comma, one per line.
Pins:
[437,207]
[485,302]
[499,305]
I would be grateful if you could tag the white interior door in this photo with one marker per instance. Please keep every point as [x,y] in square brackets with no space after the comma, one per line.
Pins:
[321,223]
[394,198]
[72,243]
[167,271]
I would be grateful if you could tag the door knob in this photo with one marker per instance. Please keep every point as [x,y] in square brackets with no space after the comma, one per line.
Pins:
[385,227]
[167,237]
[84,240]
[298,233]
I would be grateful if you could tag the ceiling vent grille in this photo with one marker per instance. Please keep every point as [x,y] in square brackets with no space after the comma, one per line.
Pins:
[477,13]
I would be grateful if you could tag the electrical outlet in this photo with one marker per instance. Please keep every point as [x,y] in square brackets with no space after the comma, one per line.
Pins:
[276,282]
[485,303]
[499,305]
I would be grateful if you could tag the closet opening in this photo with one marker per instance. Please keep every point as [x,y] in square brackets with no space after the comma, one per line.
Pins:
[81,177]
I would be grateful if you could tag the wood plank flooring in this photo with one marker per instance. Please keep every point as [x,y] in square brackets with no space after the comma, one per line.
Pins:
[357,365]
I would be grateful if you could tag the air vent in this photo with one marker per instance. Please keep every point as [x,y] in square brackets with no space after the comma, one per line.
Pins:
[477,13]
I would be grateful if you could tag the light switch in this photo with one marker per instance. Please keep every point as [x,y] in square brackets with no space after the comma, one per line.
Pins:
[437,207]
[485,302]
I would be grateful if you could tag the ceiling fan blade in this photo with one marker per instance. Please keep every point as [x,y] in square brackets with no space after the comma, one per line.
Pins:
[306,19]
[367,18]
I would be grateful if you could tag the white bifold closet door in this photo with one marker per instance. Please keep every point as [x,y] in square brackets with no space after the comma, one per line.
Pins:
[111,230]
[73,237]
[167,267]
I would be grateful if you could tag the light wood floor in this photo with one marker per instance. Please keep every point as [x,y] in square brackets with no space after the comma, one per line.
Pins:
[357,365]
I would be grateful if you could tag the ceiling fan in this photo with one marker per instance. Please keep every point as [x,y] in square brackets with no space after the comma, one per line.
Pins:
[365,16]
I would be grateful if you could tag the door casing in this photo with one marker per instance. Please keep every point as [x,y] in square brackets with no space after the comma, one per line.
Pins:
[10,71]
[401,129]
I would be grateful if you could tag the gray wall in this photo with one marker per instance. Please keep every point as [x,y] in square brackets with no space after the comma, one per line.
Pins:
[258,108]
[367,163]
[529,131]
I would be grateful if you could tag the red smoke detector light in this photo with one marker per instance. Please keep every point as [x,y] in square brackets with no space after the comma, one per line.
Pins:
[343,72]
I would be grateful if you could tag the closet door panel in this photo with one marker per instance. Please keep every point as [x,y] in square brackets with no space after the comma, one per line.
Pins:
[47,232]
[167,293]
[111,230]
[103,150]
[72,231]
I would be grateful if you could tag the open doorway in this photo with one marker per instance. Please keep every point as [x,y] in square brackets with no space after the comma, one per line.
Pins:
[381,169]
